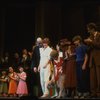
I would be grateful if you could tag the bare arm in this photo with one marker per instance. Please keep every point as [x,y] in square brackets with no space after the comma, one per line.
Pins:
[85,61]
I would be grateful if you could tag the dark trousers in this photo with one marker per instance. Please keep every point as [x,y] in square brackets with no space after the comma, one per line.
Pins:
[83,80]
[95,79]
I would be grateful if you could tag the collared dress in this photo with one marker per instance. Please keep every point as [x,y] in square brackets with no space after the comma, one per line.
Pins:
[22,86]
[12,83]
[3,84]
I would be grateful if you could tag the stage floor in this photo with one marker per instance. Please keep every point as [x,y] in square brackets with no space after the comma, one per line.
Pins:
[11,98]
[33,98]
[18,98]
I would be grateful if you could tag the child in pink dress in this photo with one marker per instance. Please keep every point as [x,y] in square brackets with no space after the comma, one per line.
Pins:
[22,86]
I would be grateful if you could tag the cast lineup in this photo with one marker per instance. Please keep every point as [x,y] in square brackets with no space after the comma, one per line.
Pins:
[70,69]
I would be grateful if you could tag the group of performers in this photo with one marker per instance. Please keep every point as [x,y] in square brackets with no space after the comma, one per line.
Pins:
[70,69]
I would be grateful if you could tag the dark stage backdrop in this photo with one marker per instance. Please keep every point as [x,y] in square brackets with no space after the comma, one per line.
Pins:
[17,27]
[65,19]
[21,23]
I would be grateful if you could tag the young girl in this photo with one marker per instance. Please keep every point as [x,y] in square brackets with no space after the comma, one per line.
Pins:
[57,76]
[22,86]
[4,84]
[12,82]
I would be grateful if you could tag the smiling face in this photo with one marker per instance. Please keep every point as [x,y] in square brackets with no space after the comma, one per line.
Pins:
[3,72]
[46,42]
[11,69]
[21,69]
[45,45]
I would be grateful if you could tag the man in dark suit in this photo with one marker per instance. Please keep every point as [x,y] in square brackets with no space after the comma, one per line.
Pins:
[94,42]
[35,64]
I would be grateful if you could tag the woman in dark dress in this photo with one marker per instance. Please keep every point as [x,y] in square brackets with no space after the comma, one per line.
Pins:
[70,70]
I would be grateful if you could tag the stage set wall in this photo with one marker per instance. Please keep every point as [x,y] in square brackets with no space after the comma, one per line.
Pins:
[55,19]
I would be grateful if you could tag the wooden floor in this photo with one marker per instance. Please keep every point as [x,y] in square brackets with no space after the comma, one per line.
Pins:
[33,98]
[9,98]
[18,98]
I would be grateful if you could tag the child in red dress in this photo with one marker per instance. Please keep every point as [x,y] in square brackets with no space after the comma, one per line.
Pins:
[57,76]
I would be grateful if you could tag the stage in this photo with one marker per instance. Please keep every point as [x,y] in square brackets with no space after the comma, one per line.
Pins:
[10,98]
[18,98]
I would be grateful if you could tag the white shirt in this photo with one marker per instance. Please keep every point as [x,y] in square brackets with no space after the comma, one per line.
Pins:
[44,56]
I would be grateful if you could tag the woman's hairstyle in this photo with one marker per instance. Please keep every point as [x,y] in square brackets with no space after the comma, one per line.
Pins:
[46,40]
[54,54]
[92,26]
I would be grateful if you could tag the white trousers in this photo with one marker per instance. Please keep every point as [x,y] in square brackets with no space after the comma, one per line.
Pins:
[44,78]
